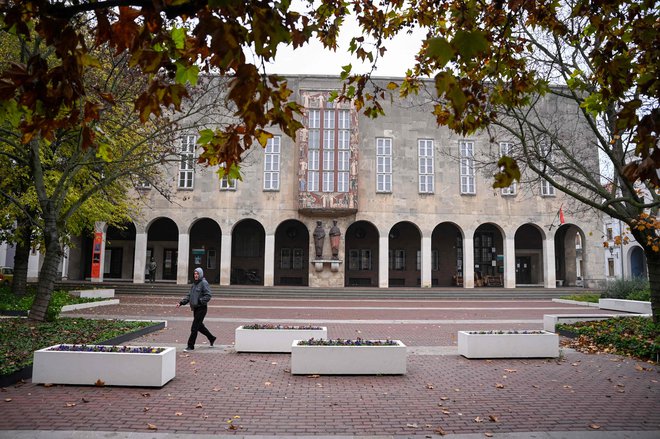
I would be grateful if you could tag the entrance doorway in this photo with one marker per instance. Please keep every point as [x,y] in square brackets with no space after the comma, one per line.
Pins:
[170,256]
[523,270]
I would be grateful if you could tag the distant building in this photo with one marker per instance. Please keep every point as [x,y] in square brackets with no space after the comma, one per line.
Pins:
[412,203]
[626,260]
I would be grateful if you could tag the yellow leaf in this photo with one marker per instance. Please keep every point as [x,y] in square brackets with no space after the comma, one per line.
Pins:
[594,426]
[392,86]
[152,427]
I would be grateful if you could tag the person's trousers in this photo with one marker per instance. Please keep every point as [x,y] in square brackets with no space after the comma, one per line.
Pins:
[198,325]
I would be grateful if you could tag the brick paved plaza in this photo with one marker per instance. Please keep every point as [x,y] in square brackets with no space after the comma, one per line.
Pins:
[217,391]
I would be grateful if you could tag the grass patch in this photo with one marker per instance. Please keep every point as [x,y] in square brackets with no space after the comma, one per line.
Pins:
[21,337]
[592,298]
[9,302]
[636,337]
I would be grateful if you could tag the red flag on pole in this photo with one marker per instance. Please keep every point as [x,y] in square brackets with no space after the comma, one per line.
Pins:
[561,216]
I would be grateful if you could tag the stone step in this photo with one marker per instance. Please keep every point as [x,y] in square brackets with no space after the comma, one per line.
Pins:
[170,288]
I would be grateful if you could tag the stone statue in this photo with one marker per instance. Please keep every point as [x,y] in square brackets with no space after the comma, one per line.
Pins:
[319,236]
[335,235]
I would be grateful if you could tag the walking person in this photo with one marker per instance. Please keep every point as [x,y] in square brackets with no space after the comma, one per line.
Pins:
[198,297]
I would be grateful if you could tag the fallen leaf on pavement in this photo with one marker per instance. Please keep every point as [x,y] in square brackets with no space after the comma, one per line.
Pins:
[152,427]
[478,419]
[499,385]
[199,405]
[178,414]
[85,400]
[488,434]
[412,425]
[99,383]
[7,399]
[594,426]
[493,418]
[146,409]
[440,431]
[216,389]
[70,404]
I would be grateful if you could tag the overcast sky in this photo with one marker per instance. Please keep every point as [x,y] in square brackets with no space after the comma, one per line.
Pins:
[313,59]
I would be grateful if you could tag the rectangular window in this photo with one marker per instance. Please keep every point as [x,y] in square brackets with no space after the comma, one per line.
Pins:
[610,267]
[506,150]
[227,184]
[425,166]
[187,162]
[359,260]
[547,190]
[397,260]
[610,234]
[383,164]
[272,164]
[328,148]
[365,259]
[285,258]
[467,167]
[210,260]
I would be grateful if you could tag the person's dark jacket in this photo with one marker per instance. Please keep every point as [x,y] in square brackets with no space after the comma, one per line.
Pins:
[199,295]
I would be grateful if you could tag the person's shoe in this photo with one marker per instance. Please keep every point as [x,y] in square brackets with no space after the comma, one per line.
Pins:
[188,349]
[212,340]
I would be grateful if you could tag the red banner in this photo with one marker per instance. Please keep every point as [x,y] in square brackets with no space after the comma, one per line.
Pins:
[96,254]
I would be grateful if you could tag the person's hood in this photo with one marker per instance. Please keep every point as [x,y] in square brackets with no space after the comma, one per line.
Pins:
[199,271]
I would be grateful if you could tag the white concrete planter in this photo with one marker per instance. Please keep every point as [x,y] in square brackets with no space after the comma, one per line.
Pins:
[508,345]
[273,340]
[96,293]
[113,368]
[77,306]
[348,360]
[636,306]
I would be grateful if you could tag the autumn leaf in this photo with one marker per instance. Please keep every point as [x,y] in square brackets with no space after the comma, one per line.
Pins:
[493,418]
[152,427]
[199,405]
[499,385]
[478,419]
[440,431]
[7,399]
[99,383]
[70,404]
[178,414]
[594,426]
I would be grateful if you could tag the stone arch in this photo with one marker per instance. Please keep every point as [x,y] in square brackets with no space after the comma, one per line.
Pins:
[447,255]
[205,247]
[247,253]
[529,255]
[569,256]
[488,244]
[405,246]
[637,260]
[291,253]
[362,254]
[163,245]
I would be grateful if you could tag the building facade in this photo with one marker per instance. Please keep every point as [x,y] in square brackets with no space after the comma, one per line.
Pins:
[352,201]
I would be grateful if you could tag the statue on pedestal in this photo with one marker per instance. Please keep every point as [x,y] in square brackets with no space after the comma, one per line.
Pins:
[335,235]
[319,236]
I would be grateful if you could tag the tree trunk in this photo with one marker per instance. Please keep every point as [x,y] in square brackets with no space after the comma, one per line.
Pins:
[21,258]
[48,273]
[653,264]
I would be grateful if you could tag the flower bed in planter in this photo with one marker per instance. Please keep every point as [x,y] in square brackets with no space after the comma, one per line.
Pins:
[273,338]
[348,357]
[141,366]
[508,344]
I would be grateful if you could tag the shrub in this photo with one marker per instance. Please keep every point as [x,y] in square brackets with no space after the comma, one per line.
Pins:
[58,299]
[635,336]
[622,288]
[643,295]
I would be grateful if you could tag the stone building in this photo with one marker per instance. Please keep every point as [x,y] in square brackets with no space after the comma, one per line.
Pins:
[413,204]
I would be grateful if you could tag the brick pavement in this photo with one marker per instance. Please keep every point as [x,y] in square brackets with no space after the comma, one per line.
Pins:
[447,392]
